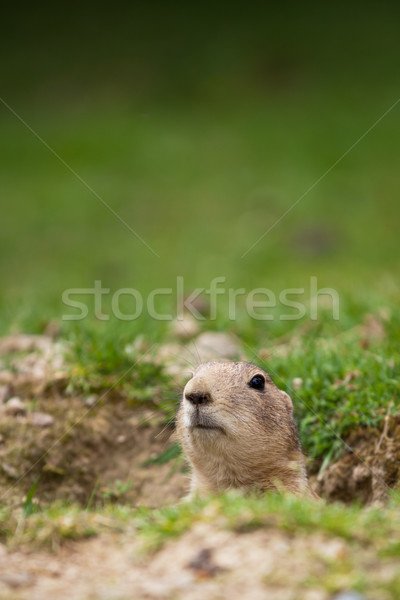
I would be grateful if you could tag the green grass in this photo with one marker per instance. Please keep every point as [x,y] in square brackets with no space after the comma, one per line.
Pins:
[285,512]
[373,526]
[98,363]
[344,384]
[53,525]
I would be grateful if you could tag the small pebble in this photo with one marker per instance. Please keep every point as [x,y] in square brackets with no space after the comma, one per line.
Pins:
[91,400]
[15,407]
[10,470]
[41,419]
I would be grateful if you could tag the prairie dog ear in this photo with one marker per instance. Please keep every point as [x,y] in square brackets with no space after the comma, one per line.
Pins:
[288,401]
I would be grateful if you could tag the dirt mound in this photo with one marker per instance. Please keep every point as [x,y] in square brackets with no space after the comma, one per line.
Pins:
[370,470]
[85,455]
[81,448]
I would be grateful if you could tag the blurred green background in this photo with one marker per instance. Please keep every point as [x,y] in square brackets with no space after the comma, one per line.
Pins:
[200,125]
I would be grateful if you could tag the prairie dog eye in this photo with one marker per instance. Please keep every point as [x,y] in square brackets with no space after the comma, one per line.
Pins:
[257,382]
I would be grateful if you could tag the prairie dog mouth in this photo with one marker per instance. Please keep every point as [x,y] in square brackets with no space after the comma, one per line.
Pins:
[207,427]
[204,422]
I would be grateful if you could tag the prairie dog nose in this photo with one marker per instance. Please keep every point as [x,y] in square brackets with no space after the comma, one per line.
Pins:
[196,391]
[197,398]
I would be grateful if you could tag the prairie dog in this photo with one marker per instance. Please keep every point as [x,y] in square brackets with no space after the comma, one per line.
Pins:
[237,431]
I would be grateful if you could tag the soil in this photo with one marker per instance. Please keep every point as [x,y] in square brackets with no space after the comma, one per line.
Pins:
[85,451]
[77,445]
[370,470]
[207,563]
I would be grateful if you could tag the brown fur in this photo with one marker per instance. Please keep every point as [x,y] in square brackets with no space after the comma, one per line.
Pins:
[242,437]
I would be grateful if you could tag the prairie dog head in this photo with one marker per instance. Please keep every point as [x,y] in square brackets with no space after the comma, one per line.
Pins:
[236,426]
